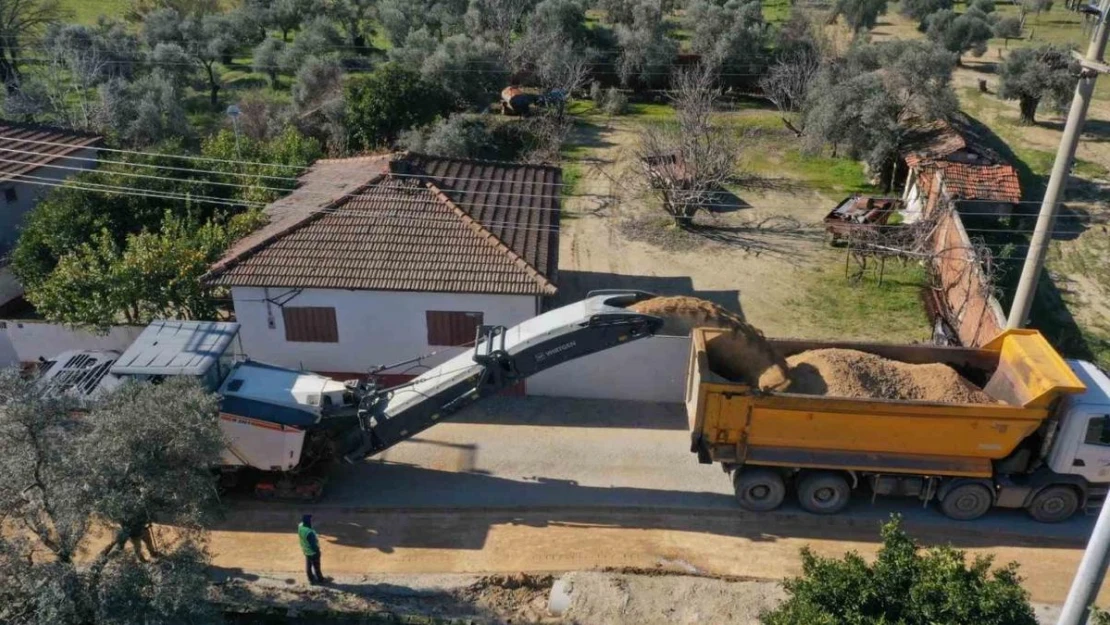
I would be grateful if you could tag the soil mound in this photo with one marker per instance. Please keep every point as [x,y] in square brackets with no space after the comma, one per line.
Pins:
[735,359]
[855,374]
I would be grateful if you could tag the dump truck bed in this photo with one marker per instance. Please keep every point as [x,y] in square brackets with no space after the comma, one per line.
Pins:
[733,421]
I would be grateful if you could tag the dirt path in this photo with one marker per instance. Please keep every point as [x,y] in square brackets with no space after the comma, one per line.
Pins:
[759,547]
[619,241]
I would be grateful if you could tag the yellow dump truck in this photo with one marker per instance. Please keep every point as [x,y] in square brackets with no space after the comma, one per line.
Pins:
[1043,446]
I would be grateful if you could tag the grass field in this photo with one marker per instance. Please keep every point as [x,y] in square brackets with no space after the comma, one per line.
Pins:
[865,310]
[87,11]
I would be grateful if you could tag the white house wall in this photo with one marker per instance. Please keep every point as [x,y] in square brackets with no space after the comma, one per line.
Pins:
[375,327]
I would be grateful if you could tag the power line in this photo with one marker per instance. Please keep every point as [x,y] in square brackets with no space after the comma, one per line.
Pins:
[421,176]
[411,214]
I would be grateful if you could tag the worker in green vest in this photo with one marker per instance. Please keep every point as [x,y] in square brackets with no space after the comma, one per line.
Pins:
[310,546]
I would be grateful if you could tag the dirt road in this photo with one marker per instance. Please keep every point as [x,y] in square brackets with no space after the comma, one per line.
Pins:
[520,484]
[757,546]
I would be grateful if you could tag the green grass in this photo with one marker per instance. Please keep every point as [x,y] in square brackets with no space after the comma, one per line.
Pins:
[572,175]
[825,173]
[650,111]
[864,310]
[776,11]
[86,11]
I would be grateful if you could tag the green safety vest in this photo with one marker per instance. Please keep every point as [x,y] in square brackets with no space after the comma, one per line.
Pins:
[303,532]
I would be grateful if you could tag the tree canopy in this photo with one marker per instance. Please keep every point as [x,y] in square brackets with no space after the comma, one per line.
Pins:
[860,15]
[730,34]
[142,455]
[1032,75]
[906,584]
[960,33]
[869,101]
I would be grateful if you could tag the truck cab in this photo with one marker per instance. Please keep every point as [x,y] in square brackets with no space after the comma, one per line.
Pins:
[1081,445]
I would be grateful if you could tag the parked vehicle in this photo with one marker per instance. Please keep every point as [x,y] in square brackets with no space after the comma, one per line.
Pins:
[1044,447]
[290,424]
[862,213]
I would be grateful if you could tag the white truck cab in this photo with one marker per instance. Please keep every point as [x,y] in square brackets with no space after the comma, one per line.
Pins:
[1081,445]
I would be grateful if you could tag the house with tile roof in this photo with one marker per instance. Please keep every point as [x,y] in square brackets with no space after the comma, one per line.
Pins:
[951,159]
[33,160]
[375,260]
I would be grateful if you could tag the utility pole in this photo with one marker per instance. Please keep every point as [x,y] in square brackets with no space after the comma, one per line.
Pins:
[1092,570]
[1092,66]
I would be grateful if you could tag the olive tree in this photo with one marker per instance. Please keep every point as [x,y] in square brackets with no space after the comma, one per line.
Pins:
[267,58]
[441,18]
[646,49]
[1030,75]
[966,32]
[920,9]
[21,22]
[868,101]
[140,456]
[905,584]
[206,40]
[727,34]
[860,15]
[498,20]
[1008,28]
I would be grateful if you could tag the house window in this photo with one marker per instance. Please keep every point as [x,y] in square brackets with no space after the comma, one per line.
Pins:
[452,328]
[9,195]
[310,324]
[1098,431]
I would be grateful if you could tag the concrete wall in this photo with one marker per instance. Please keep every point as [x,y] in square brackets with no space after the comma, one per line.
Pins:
[651,369]
[27,341]
[375,327]
[28,193]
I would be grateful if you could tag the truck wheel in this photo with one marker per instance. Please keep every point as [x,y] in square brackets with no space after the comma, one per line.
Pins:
[1054,504]
[966,502]
[759,490]
[824,493]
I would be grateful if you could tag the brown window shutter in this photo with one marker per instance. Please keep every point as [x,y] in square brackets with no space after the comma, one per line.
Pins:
[310,324]
[452,328]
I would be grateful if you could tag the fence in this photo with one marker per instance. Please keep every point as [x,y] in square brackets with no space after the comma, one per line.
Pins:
[27,341]
[967,297]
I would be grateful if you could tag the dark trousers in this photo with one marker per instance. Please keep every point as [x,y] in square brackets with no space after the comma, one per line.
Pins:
[312,569]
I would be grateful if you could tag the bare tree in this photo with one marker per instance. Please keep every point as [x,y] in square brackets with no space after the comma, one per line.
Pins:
[786,84]
[688,163]
[563,71]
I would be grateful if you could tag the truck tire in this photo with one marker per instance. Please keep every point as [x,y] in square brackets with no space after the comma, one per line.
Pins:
[967,502]
[824,493]
[1054,504]
[759,490]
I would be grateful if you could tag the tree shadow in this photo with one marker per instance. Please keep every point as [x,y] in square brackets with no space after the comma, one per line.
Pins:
[572,412]
[1096,130]
[1032,184]
[587,134]
[776,236]
[458,510]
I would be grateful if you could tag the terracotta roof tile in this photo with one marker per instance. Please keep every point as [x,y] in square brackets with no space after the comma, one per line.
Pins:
[966,181]
[430,224]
